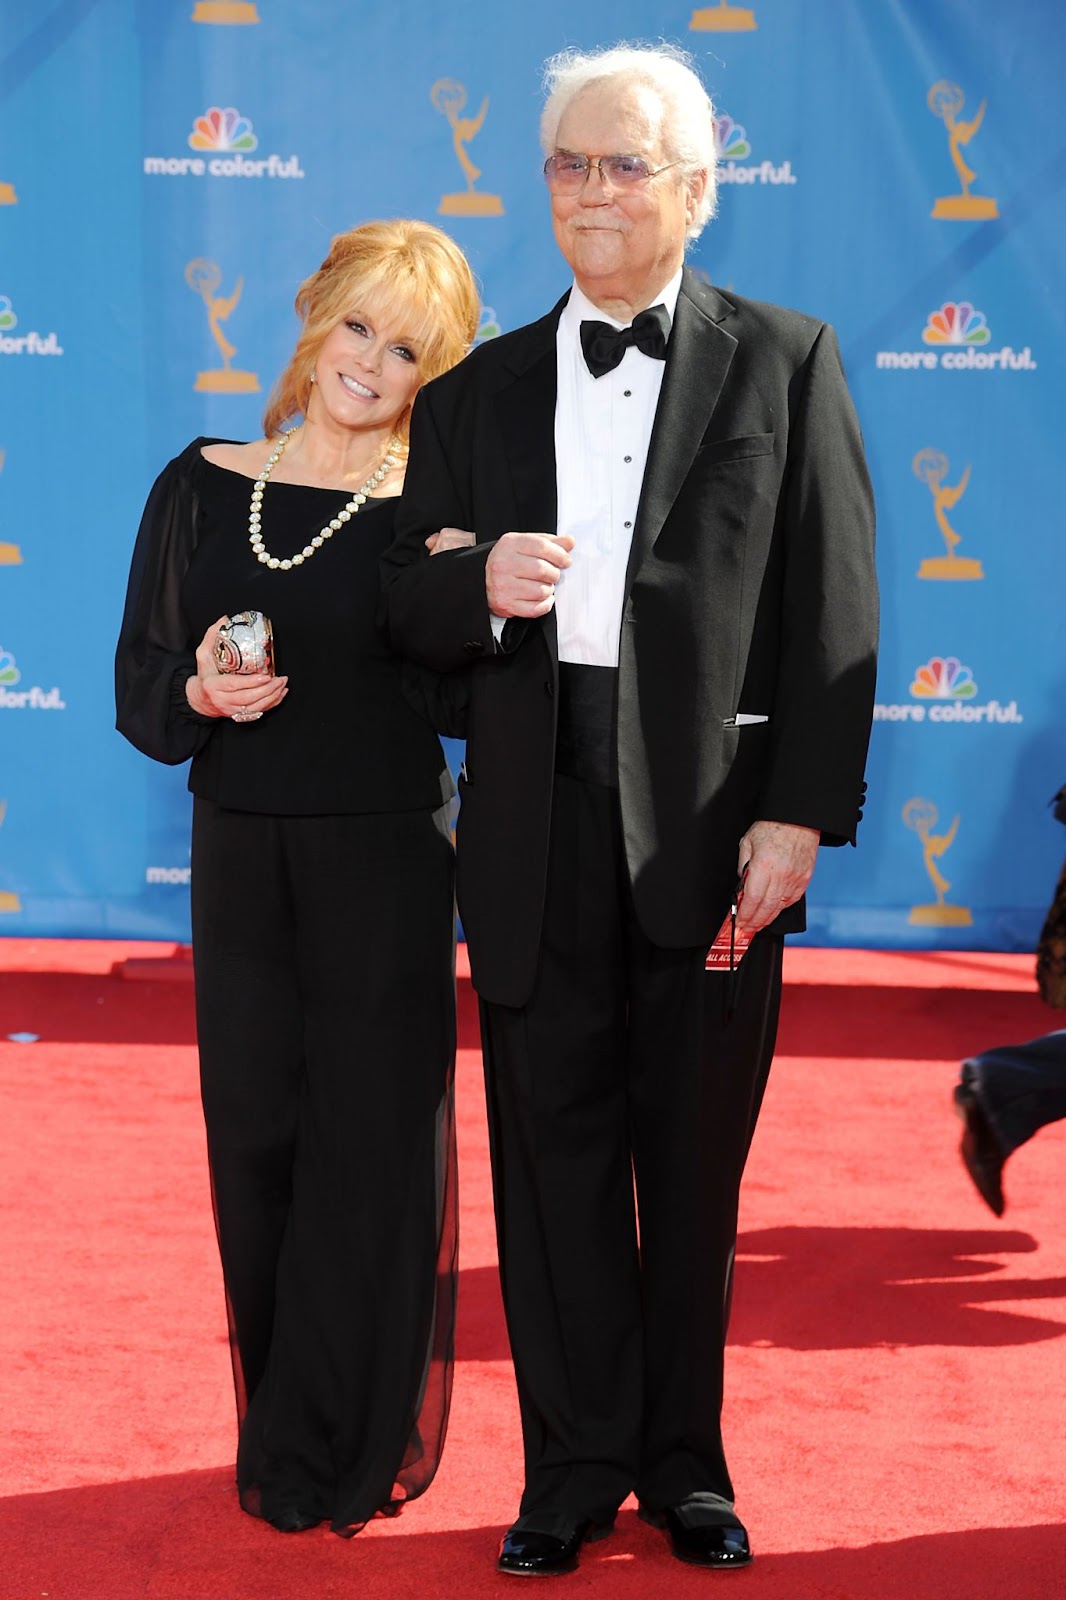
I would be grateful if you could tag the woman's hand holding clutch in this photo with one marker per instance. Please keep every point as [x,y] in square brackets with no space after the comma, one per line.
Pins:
[241,696]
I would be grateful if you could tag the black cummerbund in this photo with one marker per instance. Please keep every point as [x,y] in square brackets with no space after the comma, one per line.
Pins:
[586,735]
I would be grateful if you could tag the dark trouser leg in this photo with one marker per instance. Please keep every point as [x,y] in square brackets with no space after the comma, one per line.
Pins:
[352,1409]
[250,1031]
[622,1062]
[558,1122]
[696,1080]
[1021,1087]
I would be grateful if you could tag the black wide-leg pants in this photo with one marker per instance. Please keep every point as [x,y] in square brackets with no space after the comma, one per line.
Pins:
[625,1079]
[324,966]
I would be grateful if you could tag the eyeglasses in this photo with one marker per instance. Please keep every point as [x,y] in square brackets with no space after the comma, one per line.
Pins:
[568,172]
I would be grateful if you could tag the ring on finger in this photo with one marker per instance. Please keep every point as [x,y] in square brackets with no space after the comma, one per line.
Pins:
[245,716]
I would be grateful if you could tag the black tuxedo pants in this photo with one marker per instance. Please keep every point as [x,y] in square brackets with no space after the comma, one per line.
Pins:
[622,1091]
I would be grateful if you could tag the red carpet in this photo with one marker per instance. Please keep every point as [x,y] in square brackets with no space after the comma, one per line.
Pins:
[897,1415]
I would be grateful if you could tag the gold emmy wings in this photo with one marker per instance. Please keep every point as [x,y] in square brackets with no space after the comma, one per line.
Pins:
[204,277]
[921,816]
[449,98]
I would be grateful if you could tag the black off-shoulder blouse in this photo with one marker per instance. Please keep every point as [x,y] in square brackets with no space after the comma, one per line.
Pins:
[354,732]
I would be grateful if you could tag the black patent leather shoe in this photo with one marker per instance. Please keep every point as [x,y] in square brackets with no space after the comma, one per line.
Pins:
[547,1544]
[980,1149]
[704,1531]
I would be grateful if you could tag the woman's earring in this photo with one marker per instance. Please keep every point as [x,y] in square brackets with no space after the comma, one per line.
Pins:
[313,378]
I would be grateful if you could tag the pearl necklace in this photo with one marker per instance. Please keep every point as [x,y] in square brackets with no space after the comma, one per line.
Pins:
[255,514]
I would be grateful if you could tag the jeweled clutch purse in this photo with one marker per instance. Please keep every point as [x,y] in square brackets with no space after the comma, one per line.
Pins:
[245,643]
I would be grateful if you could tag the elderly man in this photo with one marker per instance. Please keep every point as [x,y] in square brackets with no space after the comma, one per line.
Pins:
[669,612]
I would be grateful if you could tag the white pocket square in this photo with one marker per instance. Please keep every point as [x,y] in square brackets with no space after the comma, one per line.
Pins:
[744,719]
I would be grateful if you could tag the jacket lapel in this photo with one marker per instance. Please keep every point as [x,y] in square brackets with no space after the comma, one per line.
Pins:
[526,411]
[697,361]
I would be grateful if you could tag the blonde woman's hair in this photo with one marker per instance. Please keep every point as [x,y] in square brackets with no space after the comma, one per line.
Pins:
[404,271]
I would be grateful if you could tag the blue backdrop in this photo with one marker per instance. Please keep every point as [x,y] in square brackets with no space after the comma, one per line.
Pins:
[171,169]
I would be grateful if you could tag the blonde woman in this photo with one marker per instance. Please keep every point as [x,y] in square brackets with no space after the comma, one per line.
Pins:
[321,891]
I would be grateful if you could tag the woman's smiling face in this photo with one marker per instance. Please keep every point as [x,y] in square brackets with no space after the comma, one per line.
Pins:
[367,372]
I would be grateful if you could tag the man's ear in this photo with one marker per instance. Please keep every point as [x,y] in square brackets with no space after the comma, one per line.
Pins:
[697,188]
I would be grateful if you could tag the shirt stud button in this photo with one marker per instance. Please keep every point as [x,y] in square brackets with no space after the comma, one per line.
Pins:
[627,458]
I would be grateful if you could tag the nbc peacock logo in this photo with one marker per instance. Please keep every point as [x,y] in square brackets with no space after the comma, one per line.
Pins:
[32,699]
[943,689]
[943,678]
[488,326]
[222,141]
[956,334]
[957,322]
[733,145]
[24,344]
[222,129]
[730,139]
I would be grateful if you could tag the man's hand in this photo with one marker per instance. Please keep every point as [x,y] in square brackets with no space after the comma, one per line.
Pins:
[449,539]
[780,859]
[522,571]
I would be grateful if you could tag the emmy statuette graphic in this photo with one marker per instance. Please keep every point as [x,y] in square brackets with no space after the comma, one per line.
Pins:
[946,100]
[8,197]
[723,18]
[449,98]
[227,13]
[204,278]
[931,466]
[8,901]
[921,817]
[10,554]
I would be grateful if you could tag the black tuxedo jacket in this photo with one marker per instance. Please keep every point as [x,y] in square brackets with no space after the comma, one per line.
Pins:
[750,589]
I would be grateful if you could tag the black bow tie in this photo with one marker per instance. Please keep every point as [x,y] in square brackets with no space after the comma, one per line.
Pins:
[604,346]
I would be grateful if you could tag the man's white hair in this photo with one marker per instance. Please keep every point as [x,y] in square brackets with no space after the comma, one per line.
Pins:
[688,115]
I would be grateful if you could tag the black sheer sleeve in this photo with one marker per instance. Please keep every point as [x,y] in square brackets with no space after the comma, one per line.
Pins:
[155,655]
